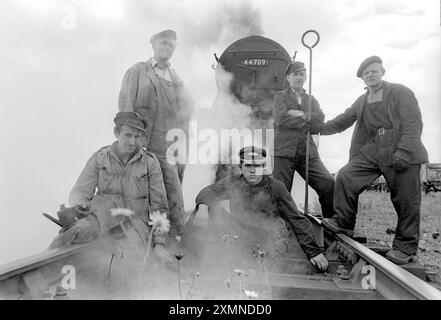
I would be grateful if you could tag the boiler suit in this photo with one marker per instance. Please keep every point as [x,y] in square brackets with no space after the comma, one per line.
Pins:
[382,128]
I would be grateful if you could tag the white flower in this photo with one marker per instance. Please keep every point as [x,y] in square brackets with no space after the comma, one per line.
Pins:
[239,272]
[122,212]
[251,294]
[159,222]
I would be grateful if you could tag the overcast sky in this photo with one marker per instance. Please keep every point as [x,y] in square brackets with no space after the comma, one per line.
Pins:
[62,63]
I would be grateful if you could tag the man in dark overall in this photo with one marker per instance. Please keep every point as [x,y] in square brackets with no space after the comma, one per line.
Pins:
[290,127]
[386,141]
[257,203]
[155,91]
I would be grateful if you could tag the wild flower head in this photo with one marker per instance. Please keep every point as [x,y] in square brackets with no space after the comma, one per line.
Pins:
[251,294]
[159,222]
[238,272]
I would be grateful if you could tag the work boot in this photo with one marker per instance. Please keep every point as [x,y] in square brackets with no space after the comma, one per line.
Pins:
[332,225]
[399,257]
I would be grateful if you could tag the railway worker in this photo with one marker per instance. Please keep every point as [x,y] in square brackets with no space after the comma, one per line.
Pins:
[156,92]
[121,175]
[386,141]
[290,128]
[259,205]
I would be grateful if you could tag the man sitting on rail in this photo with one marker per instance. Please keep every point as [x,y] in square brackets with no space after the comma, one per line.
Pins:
[257,203]
[122,175]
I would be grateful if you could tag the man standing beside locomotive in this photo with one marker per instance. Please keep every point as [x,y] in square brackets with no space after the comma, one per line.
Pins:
[155,91]
[386,141]
[290,126]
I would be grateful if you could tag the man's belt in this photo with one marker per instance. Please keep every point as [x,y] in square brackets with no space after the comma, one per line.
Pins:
[380,131]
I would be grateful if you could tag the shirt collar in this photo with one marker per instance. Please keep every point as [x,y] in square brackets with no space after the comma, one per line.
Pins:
[296,93]
[155,62]
[115,153]
[376,90]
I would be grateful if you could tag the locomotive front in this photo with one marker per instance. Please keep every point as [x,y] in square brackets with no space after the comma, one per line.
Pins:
[258,67]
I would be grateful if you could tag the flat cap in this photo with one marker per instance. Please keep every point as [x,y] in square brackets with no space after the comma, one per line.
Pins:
[131,119]
[252,155]
[367,62]
[294,67]
[163,34]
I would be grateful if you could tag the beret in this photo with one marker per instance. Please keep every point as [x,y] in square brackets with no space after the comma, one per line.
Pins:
[252,155]
[131,119]
[367,62]
[294,67]
[163,34]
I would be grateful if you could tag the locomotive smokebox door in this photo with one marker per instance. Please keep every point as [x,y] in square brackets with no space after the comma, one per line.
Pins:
[256,67]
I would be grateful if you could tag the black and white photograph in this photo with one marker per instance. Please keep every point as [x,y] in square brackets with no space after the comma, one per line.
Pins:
[219,155]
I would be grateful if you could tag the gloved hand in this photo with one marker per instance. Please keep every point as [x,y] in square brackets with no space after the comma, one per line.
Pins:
[84,230]
[313,127]
[162,254]
[320,261]
[400,160]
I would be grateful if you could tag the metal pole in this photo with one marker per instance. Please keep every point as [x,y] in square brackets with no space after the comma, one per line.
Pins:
[308,117]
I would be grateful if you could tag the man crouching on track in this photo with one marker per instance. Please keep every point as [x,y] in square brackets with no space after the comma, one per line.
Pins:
[257,202]
[386,141]
[122,175]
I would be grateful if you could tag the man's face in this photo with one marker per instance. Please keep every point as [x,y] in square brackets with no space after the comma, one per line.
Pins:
[164,48]
[129,139]
[297,79]
[373,74]
[252,173]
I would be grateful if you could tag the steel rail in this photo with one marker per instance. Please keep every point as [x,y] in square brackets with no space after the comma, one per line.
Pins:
[392,281]
[30,263]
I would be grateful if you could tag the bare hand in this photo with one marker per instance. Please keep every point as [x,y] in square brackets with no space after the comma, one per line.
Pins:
[297,113]
[202,216]
[320,262]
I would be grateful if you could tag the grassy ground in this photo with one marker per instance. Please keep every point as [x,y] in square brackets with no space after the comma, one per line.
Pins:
[377,215]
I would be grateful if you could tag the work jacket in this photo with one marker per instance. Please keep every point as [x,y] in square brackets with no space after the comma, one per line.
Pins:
[106,183]
[258,207]
[289,136]
[404,114]
[139,93]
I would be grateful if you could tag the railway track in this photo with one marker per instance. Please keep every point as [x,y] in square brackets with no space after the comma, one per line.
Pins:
[355,272]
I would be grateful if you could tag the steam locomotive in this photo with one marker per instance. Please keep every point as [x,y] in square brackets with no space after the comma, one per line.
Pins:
[258,67]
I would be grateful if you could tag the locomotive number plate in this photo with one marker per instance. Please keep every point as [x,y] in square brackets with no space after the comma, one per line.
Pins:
[255,62]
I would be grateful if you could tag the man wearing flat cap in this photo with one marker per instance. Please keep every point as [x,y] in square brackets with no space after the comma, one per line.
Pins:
[290,130]
[386,141]
[259,208]
[155,91]
[122,175]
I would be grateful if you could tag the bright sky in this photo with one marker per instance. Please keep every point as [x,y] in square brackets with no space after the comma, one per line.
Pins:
[62,64]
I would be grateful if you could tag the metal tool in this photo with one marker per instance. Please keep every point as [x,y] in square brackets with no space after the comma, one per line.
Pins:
[308,135]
